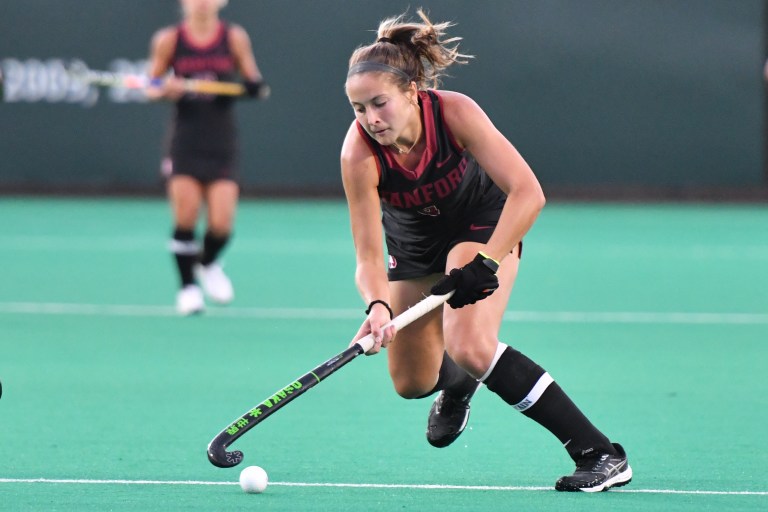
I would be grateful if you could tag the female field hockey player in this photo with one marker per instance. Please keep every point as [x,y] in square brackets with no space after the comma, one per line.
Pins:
[453,196]
[202,158]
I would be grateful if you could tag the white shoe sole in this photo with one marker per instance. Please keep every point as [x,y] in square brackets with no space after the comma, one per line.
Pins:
[622,478]
[197,311]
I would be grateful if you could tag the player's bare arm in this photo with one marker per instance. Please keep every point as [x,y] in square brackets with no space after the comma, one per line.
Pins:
[240,43]
[360,178]
[161,52]
[474,131]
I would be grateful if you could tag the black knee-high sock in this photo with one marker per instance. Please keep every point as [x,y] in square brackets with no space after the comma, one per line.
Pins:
[529,389]
[185,251]
[212,247]
[454,380]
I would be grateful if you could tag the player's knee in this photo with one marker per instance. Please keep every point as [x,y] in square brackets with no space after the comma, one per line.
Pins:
[412,388]
[473,356]
[471,361]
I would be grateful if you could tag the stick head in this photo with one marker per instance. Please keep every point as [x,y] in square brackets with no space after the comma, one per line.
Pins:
[220,457]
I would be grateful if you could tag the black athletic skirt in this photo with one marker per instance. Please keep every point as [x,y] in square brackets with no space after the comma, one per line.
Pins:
[476,228]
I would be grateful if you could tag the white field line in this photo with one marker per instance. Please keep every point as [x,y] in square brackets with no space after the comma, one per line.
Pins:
[365,486]
[591,317]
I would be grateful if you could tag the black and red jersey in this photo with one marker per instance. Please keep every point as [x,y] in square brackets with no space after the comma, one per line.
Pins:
[203,123]
[424,206]
[212,61]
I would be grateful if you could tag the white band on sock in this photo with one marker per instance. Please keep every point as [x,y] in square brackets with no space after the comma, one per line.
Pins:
[541,385]
[500,348]
[189,248]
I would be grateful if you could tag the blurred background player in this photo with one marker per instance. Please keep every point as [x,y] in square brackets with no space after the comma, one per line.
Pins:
[454,196]
[201,162]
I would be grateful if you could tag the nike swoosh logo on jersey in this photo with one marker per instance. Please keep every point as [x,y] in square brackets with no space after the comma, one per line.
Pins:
[440,164]
[475,227]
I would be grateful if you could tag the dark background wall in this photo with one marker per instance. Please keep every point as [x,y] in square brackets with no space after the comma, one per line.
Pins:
[654,97]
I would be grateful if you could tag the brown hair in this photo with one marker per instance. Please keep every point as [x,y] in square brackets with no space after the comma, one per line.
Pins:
[416,49]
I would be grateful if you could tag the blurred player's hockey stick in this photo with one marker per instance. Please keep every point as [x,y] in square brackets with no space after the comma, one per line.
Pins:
[217,448]
[109,79]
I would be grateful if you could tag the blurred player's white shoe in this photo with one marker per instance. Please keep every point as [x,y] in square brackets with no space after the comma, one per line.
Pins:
[189,300]
[215,282]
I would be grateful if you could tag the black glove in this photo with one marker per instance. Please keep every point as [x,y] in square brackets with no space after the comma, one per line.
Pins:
[258,90]
[473,282]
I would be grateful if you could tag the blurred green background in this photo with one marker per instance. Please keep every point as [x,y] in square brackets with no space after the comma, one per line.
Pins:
[603,97]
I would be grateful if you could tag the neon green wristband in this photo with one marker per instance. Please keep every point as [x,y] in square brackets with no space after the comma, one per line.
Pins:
[490,262]
[489,258]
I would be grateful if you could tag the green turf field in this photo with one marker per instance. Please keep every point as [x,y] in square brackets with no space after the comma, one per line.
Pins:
[654,318]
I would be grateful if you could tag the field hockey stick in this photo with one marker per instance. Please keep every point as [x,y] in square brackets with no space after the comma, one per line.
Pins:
[218,88]
[192,85]
[217,448]
[212,87]
[109,79]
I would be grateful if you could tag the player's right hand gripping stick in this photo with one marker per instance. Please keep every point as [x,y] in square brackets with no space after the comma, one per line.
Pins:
[256,89]
[473,282]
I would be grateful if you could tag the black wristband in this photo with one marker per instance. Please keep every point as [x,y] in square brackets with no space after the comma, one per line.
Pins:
[377,301]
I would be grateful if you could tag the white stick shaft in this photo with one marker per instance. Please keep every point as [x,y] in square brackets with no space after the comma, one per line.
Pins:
[406,317]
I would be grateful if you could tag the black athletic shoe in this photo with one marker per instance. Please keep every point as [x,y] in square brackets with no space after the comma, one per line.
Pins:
[447,419]
[598,473]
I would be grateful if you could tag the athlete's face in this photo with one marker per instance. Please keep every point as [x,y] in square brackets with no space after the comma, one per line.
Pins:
[380,105]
